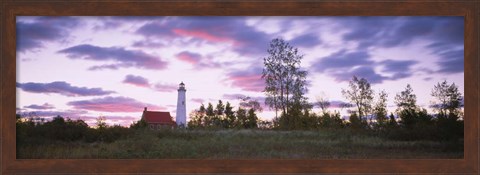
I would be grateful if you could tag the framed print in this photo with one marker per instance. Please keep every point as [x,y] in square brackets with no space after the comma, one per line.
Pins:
[239,87]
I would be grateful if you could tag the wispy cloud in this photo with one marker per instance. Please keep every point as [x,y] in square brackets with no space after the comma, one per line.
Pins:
[62,88]
[41,30]
[248,80]
[123,57]
[136,80]
[246,40]
[41,107]
[112,104]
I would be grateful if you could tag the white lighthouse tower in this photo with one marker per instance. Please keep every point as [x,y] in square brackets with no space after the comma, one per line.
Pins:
[181,118]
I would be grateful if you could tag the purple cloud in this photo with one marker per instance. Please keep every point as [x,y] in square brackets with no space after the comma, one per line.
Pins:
[136,80]
[42,30]
[123,57]
[342,65]
[248,80]
[148,44]
[444,34]
[113,104]
[307,40]
[366,72]
[161,87]
[451,61]
[398,68]
[342,60]
[197,60]
[62,88]
[42,107]
[50,114]
[246,40]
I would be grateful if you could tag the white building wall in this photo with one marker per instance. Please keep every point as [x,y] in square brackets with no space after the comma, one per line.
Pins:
[181,117]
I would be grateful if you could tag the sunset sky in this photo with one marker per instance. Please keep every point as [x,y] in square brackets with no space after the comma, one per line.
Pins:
[86,67]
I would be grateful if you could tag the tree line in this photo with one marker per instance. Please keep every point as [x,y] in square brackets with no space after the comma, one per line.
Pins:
[224,117]
[286,86]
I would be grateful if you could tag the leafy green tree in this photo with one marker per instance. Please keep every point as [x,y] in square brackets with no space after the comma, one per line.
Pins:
[448,106]
[285,81]
[392,122]
[241,118]
[331,120]
[220,109]
[448,99]
[101,122]
[406,102]
[140,124]
[197,118]
[361,95]
[230,116]
[251,119]
[380,110]
[323,103]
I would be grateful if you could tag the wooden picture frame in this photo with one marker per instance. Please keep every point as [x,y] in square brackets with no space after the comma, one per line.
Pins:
[470,10]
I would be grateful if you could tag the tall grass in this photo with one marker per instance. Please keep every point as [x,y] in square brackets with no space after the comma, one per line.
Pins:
[243,144]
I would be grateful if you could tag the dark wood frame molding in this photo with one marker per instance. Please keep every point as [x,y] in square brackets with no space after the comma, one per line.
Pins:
[9,9]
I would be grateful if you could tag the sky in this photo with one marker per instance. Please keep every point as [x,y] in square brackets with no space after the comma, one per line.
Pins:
[86,67]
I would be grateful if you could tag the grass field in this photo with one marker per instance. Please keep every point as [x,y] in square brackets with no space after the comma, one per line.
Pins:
[243,144]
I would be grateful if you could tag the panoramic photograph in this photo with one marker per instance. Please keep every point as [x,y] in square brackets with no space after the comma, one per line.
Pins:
[239,87]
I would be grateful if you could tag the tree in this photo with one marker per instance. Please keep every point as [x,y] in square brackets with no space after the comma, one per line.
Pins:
[241,118]
[220,108]
[323,103]
[249,103]
[230,115]
[407,108]
[139,124]
[448,105]
[380,110]
[251,119]
[209,119]
[361,95]
[406,100]
[448,99]
[101,124]
[285,81]
[392,122]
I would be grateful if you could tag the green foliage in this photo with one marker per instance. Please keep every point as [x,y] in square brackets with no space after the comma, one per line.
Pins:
[139,124]
[285,82]
[360,94]
[406,100]
[356,123]
[223,116]
[380,111]
[331,121]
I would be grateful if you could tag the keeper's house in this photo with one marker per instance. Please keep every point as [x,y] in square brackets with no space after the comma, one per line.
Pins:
[158,119]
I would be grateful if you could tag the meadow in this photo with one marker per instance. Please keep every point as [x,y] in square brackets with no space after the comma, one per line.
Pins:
[243,144]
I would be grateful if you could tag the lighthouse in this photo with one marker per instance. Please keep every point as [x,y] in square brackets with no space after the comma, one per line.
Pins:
[181,118]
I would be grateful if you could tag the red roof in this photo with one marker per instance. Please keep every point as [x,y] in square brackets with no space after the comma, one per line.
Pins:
[158,117]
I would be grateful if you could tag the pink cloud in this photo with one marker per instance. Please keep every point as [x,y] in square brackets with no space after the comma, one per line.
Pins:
[201,34]
[113,104]
[189,57]
[247,82]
